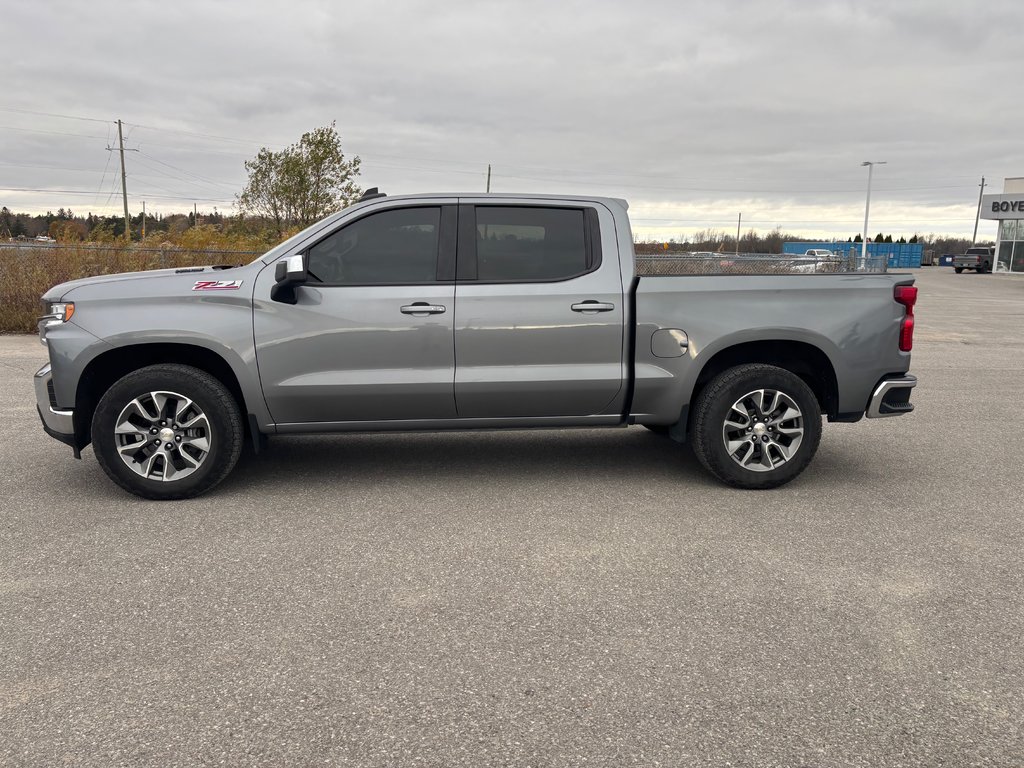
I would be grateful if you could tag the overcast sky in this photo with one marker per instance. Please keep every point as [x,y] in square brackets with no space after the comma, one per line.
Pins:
[694,112]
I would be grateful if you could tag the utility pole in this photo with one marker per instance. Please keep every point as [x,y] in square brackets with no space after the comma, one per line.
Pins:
[124,186]
[195,215]
[974,237]
[488,177]
[124,183]
[739,219]
[143,219]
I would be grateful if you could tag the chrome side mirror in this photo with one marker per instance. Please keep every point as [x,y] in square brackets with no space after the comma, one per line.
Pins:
[292,270]
[288,273]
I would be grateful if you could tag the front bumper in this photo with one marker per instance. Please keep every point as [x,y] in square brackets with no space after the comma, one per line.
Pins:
[891,397]
[58,423]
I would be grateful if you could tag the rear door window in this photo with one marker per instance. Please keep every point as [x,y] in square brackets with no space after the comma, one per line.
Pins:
[522,243]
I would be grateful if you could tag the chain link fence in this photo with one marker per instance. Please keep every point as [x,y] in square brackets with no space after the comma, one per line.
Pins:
[698,263]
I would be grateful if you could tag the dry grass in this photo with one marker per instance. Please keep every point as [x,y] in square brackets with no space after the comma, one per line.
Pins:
[27,273]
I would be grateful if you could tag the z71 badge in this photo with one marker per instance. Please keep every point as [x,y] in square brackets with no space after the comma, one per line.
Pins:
[217,285]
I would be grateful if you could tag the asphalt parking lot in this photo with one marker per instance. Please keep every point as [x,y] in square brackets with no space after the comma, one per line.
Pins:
[536,599]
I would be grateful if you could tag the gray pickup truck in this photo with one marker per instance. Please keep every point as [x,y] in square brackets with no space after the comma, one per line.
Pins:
[438,312]
[977,257]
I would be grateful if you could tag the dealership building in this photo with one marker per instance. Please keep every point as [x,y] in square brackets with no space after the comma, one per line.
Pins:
[1008,210]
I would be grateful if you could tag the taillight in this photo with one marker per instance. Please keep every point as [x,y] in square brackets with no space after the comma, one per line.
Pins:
[907,296]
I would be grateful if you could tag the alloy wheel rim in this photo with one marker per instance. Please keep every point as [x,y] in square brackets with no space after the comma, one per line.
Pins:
[163,436]
[763,430]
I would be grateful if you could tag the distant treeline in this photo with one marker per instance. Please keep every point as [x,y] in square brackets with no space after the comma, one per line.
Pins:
[250,233]
[193,230]
[719,241]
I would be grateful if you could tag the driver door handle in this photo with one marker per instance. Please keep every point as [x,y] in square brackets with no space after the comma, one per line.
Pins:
[592,306]
[421,309]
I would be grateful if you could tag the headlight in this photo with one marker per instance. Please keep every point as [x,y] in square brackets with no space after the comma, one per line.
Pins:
[62,311]
[54,314]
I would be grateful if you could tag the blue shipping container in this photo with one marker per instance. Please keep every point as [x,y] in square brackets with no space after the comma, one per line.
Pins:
[899,255]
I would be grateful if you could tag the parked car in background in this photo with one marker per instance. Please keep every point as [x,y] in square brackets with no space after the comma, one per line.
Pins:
[979,258]
[815,260]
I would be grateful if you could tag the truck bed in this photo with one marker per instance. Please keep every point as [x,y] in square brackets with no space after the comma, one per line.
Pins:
[851,319]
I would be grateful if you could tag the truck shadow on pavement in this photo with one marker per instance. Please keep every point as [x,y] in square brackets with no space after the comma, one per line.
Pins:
[485,459]
[480,457]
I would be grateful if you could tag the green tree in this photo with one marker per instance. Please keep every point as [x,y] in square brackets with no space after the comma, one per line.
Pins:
[6,223]
[301,183]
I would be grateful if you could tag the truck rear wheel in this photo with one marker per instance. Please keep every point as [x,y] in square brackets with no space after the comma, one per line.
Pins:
[167,432]
[958,270]
[756,426]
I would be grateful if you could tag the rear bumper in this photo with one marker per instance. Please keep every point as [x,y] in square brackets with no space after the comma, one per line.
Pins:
[891,397]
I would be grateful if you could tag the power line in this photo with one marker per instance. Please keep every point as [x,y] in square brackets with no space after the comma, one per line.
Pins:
[103,177]
[53,114]
[187,172]
[51,133]
[631,174]
[133,125]
[199,134]
[46,167]
[702,188]
[91,192]
[172,191]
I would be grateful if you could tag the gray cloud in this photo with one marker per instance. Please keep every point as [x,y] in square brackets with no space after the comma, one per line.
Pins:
[691,110]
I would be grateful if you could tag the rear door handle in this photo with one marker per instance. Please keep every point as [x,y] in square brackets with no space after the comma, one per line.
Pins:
[592,306]
[421,309]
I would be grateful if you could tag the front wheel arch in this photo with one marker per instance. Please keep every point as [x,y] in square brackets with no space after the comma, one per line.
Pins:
[107,368]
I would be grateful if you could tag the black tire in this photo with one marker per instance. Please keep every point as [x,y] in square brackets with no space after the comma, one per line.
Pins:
[225,436]
[958,270]
[714,405]
[984,268]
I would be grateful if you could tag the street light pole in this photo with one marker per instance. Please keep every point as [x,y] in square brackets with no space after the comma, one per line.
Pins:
[867,208]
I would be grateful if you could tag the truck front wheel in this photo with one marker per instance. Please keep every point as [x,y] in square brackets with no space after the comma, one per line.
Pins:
[756,426]
[167,432]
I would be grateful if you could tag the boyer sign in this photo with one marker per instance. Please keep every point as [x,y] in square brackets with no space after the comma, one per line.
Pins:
[1006,206]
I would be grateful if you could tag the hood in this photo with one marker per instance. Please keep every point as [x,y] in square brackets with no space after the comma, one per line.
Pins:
[58,292]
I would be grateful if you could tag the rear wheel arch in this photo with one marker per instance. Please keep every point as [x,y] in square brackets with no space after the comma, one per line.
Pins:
[802,358]
[109,367]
